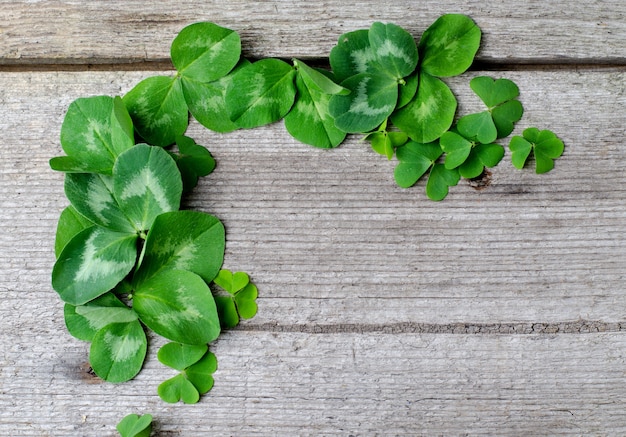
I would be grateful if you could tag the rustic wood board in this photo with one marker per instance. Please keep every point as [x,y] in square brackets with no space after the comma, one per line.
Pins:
[54,31]
[498,311]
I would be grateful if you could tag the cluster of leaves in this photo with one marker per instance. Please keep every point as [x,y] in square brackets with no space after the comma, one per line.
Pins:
[383,85]
[127,256]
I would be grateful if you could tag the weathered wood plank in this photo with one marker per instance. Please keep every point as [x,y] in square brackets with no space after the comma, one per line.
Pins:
[55,31]
[330,239]
[333,384]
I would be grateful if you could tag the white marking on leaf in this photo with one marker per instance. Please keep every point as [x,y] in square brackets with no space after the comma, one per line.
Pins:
[388,48]
[122,348]
[361,104]
[93,267]
[143,182]
[361,59]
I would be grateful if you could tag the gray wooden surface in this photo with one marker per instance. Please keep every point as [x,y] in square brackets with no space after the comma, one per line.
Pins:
[495,312]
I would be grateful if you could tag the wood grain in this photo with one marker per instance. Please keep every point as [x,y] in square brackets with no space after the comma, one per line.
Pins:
[54,31]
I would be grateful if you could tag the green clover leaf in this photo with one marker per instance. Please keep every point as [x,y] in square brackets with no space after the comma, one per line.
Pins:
[416,160]
[200,374]
[178,388]
[193,161]
[394,49]
[95,131]
[180,356]
[544,144]
[439,180]
[385,142]
[481,156]
[118,351]
[135,426]
[352,55]
[70,223]
[239,299]
[447,48]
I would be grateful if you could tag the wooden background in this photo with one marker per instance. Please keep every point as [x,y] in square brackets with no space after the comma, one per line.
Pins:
[498,311]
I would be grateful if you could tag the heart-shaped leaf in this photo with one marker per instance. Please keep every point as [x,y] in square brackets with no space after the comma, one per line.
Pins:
[430,113]
[179,306]
[352,55]
[232,282]
[84,321]
[180,356]
[494,92]
[227,311]
[70,223]
[440,180]
[146,183]
[135,426]
[448,46]
[193,161]
[309,120]
[394,49]
[92,263]
[545,145]
[506,115]
[158,109]
[178,388]
[457,149]
[118,351]
[415,160]
[200,374]
[372,100]
[261,93]
[245,300]
[183,240]
[480,127]
[205,52]
[481,156]
[94,132]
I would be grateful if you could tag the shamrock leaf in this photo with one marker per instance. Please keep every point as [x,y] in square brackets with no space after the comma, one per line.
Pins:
[180,356]
[352,55]
[544,144]
[457,149]
[178,305]
[309,120]
[239,300]
[95,131]
[183,240]
[200,374]
[261,93]
[386,142]
[158,109]
[92,263]
[84,321]
[448,46]
[503,110]
[205,52]
[481,156]
[394,49]
[70,223]
[135,426]
[415,160]
[178,388]
[430,113]
[207,100]
[118,351]
[439,180]
[193,161]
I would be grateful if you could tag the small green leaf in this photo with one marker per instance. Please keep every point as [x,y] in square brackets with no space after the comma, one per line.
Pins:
[352,55]
[315,80]
[372,100]
[205,52]
[245,301]
[135,426]
[448,46]
[494,92]
[440,180]
[430,113]
[146,183]
[180,356]
[94,132]
[158,109]
[92,263]
[118,351]
[309,120]
[546,147]
[227,311]
[178,388]
[240,299]
[408,90]
[179,306]
[84,321]
[232,282]
[480,127]
[261,93]
[415,160]
[394,48]
[183,240]
[506,115]
[481,156]
[70,223]
[200,374]
[456,147]
[207,101]
[193,161]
